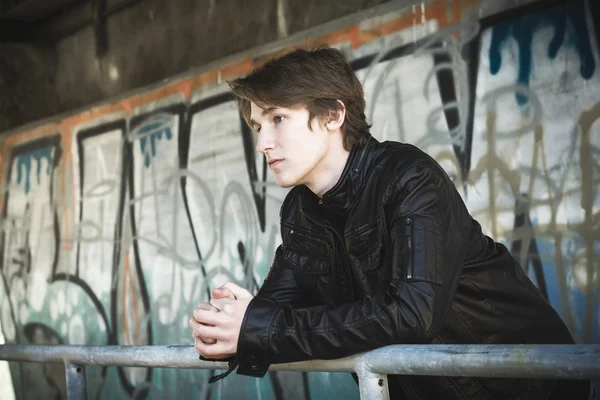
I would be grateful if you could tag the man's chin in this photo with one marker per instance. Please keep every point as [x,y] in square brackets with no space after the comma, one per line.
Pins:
[282,182]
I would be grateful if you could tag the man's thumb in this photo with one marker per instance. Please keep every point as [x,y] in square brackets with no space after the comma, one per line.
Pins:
[223,293]
[238,291]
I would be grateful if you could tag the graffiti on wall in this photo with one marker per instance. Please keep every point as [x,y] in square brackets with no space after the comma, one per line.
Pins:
[117,222]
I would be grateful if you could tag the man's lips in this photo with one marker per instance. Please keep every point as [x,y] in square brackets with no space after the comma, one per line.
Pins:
[274,162]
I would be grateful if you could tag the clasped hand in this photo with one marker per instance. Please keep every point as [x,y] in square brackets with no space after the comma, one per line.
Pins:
[216,323]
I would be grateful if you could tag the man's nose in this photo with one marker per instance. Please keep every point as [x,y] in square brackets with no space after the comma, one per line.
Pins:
[265,141]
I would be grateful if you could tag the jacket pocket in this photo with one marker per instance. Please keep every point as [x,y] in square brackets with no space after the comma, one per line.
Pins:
[312,275]
[309,263]
[306,241]
[423,250]
[364,248]
[309,257]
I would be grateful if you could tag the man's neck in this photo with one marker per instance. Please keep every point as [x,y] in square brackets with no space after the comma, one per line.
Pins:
[330,171]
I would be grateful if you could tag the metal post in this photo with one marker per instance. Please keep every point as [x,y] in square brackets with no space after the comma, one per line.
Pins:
[371,386]
[76,382]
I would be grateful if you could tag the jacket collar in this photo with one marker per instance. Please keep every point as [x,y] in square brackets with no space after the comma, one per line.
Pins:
[344,193]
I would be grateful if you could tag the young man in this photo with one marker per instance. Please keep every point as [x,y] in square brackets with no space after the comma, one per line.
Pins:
[378,248]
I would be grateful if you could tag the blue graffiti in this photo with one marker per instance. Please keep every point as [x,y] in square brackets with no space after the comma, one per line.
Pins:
[24,162]
[157,129]
[567,18]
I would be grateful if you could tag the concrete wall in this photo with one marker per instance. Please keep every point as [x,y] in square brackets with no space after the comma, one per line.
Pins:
[77,59]
[118,220]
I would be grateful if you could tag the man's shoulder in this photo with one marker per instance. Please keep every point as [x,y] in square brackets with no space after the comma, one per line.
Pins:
[397,158]
[404,153]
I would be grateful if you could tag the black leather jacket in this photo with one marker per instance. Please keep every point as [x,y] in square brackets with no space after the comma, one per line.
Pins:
[391,255]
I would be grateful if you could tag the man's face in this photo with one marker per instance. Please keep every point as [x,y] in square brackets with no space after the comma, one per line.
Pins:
[294,152]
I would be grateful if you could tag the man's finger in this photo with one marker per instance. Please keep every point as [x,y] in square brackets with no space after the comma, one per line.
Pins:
[206,306]
[206,340]
[208,317]
[210,332]
[216,351]
[238,291]
[220,304]
[205,349]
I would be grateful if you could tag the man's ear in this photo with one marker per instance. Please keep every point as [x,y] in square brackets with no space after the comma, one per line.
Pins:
[336,117]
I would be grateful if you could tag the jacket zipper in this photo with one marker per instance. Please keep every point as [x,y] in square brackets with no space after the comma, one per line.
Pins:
[344,269]
[337,272]
[409,248]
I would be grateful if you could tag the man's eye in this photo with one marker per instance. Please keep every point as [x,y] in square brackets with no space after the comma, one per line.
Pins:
[278,119]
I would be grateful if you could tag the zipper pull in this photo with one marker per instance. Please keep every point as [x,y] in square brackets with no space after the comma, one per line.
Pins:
[409,245]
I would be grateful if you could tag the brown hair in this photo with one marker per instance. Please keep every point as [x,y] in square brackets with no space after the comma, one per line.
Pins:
[314,79]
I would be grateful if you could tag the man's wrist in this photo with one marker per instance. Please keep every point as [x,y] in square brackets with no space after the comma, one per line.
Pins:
[254,341]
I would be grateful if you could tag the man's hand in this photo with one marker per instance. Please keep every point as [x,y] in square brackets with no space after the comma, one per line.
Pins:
[222,292]
[195,324]
[223,326]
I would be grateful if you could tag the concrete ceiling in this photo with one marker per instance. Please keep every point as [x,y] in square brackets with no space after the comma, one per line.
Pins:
[19,19]
[31,10]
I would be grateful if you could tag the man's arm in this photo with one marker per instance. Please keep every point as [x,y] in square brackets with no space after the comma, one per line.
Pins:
[216,324]
[427,258]
[279,285]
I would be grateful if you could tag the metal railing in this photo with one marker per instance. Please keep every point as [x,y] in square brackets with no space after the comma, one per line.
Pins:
[493,361]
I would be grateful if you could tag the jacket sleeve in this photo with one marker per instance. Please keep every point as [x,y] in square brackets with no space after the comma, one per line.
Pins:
[279,285]
[427,254]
